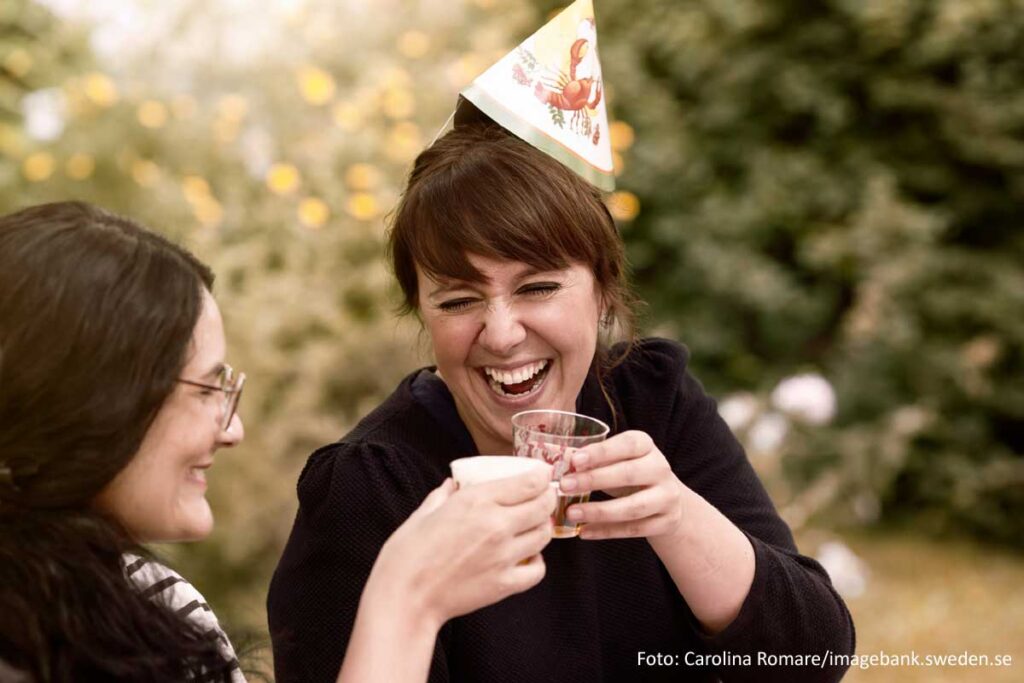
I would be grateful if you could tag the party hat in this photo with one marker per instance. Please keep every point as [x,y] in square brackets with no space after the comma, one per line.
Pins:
[549,92]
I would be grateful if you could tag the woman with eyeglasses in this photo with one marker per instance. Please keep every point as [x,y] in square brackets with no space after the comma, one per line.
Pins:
[114,399]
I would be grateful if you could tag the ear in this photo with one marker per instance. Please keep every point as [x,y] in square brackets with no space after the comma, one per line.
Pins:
[607,315]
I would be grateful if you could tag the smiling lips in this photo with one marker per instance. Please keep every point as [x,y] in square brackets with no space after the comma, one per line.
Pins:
[197,473]
[519,381]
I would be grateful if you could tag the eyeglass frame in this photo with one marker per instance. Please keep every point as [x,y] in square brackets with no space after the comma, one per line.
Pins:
[232,394]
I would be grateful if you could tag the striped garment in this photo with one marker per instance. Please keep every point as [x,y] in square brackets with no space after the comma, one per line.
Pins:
[159,582]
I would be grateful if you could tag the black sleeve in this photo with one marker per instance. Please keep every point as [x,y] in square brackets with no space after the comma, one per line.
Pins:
[351,498]
[792,608]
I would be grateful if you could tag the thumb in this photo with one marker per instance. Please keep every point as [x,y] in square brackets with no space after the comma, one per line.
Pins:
[435,498]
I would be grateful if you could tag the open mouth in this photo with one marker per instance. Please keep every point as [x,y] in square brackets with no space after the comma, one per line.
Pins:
[520,382]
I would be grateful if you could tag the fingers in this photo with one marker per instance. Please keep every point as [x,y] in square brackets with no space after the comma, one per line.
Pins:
[623,474]
[520,577]
[637,506]
[648,512]
[530,542]
[517,489]
[532,512]
[435,498]
[642,528]
[624,446]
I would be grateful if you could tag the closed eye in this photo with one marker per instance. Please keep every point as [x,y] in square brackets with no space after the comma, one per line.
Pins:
[540,288]
[455,305]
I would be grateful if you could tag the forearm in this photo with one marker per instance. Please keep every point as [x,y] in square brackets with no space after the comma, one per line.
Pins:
[392,640]
[710,560]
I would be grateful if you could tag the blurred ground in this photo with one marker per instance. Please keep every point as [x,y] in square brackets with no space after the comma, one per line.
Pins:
[938,597]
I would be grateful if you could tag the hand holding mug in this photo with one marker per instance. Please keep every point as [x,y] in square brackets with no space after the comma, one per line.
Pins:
[468,548]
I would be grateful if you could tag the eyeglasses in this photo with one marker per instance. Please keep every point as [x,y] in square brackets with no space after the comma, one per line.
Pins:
[231,384]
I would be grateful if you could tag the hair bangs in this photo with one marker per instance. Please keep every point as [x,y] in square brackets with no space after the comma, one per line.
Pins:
[494,210]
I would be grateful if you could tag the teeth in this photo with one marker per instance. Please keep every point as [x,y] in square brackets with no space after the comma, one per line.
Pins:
[516,376]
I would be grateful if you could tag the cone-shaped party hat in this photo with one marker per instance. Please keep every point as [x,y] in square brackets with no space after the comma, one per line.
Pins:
[549,92]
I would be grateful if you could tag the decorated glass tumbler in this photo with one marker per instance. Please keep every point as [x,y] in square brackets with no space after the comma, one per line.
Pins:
[553,436]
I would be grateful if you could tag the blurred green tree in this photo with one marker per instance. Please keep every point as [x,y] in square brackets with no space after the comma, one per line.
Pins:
[839,185]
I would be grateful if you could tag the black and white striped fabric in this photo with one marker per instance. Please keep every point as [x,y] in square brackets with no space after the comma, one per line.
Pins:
[159,582]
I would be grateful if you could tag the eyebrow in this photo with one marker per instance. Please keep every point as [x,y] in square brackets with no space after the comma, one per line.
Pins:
[214,371]
[449,285]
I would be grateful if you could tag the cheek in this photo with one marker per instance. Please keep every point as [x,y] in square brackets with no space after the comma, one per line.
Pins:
[451,341]
[572,330]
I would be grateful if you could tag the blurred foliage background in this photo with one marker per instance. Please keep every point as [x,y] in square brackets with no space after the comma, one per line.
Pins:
[823,199]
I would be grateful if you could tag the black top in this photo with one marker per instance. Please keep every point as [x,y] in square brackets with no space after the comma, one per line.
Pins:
[602,603]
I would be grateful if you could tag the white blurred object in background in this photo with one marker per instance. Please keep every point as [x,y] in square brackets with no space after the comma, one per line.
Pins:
[848,572]
[738,409]
[768,432]
[45,113]
[807,397]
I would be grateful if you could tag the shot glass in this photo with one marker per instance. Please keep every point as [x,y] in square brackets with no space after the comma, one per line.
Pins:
[553,436]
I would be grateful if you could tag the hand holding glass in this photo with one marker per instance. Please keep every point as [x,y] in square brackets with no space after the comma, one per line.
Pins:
[553,436]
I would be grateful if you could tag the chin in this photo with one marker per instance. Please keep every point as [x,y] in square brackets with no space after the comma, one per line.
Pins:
[198,525]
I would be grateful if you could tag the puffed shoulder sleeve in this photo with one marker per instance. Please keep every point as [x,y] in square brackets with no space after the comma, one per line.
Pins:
[352,496]
[792,607]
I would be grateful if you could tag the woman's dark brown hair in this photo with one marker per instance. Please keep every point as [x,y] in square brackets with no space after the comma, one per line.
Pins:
[96,317]
[480,190]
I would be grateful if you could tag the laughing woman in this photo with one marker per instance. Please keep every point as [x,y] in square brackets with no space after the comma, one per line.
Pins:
[114,398]
[515,269]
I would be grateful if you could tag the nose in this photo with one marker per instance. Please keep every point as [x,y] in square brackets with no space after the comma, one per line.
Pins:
[233,435]
[502,330]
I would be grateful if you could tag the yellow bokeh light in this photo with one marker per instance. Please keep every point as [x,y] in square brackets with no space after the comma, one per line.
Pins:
[395,77]
[225,130]
[80,166]
[18,62]
[283,178]
[313,212]
[470,65]
[413,44]
[362,176]
[362,205]
[624,205]
[209,211]
[38,167]
[12,142]
[618,163]
[195,188]
[622,135]
[316,85]
[404,141]
[183,106]
[152,114]
[347,116]
[145,172]
[398,103]
[233,107]
[100,90]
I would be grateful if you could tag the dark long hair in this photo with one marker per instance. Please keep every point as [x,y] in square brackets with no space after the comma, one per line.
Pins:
[96,317]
